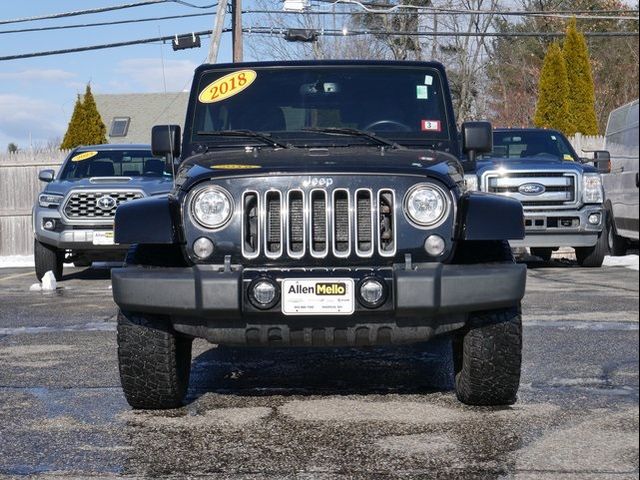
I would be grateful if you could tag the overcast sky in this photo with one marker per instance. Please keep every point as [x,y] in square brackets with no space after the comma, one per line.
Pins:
[37,95]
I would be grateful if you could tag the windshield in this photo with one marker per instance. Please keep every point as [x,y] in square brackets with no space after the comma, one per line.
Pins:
[531,144]
[113,163]
[295,104]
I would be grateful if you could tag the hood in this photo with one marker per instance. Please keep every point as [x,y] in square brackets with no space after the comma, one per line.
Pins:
[149,185]
[532,163]
[319,161]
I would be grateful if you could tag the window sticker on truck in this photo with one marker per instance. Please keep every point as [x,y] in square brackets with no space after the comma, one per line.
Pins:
[83,156]
[227,86]
[431,126]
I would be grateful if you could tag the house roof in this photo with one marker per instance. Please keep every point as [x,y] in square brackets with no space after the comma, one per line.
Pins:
[144,110]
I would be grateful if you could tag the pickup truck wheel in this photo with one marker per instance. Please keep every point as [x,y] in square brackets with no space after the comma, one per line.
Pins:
[46,259]
[488,357]
[593,257]
[154,361]
[543,253]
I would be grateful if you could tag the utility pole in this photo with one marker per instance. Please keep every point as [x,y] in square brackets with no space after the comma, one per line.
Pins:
[236,28]
[216,33]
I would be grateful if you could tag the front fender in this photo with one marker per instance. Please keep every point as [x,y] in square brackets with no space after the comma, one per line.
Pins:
[485,216]
[148,220]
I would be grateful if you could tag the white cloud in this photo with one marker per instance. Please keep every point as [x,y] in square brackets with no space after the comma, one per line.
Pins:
[146,74]
[23,117]
[48,75]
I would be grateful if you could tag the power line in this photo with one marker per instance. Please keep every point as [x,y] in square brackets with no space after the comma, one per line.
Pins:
[102,9]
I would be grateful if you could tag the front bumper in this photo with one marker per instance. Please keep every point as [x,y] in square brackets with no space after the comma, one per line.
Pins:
[208,302]
[561,228]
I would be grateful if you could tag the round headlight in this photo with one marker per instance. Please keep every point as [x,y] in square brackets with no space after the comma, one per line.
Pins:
[426,205]
[211,207]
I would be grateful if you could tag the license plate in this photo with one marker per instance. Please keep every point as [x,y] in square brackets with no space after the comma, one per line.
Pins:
[318,296]
[103,238]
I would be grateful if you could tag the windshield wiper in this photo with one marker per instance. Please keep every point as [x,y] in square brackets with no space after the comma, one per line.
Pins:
[245,133]
[355,133]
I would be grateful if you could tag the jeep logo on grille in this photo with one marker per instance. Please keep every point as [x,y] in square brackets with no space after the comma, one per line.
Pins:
[106,202]
[531,189]
[317,182]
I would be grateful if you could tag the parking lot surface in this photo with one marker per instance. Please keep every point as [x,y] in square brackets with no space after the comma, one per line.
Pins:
[371,413]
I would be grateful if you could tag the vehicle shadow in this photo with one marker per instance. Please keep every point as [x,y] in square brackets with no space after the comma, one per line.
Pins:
[101,272]
[419,368]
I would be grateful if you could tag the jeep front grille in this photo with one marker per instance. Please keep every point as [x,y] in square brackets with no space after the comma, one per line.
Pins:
[83,205]
[340,222]
[561,187]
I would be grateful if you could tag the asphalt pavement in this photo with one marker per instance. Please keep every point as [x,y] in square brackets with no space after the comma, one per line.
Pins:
[330,413]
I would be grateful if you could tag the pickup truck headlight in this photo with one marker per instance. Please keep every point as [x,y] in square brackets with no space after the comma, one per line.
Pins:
[47,200]
[211,207]
[592,191]
[426,205]
[471,183]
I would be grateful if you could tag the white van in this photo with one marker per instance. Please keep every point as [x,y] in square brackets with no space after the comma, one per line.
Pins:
[621,185]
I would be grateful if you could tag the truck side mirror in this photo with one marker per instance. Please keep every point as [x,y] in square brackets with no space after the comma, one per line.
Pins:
[165,141]
[602,161]
[477,137]
[46,176]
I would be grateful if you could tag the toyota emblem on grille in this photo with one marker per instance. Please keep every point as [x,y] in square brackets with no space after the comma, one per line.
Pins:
[531,189]
[106,203]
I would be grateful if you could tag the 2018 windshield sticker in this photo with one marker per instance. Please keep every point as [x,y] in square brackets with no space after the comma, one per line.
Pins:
[227,86]
[83,156]
[234,167]
[431,126]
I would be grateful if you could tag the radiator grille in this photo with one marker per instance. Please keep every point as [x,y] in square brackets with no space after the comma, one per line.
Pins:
[100,204]
[560,188]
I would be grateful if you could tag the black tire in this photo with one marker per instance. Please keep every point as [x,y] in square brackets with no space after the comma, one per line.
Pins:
[47,258]
[543,253]
[488,358]
[617,245]
[592,257]
[154,362]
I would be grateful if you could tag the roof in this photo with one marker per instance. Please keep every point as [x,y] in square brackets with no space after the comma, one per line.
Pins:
[139,112]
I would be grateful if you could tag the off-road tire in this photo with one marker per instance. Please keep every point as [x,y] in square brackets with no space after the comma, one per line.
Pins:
[47,258]
[488,357]
[592,257]
[154,361]
[617,245]
[543,253]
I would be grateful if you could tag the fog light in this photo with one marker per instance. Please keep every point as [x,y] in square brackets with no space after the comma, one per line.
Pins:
[203,247]
[434,245]
[372,292]
[49,224]
[594,219]
[263,293]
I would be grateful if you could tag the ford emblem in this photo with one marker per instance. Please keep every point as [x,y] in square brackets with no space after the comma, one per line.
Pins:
[531,189]
[106,203]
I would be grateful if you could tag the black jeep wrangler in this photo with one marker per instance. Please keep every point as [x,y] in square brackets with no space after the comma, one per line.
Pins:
[319,204]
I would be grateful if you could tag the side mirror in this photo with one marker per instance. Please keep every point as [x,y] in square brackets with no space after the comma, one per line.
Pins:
[47,176]
[477,137]
[602,161]
[165,141]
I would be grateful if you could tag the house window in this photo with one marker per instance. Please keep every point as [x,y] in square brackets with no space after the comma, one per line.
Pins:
[119,126]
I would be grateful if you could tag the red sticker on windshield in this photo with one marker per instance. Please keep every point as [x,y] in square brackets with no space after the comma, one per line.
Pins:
[431,126]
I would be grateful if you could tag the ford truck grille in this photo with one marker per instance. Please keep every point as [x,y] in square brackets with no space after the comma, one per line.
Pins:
[83,205]
[321,223]
[560,188]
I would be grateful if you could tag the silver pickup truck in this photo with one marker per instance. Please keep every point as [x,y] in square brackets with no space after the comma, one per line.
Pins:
[73,217]
[562,196]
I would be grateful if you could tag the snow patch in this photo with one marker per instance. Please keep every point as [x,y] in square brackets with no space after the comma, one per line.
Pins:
[48,284]
[628,261]
[17,261]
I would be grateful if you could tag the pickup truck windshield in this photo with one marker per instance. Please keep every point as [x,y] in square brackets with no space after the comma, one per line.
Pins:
[300,105]
[135,163]
[531,144]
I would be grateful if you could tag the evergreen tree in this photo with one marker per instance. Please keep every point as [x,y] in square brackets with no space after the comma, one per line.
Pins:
[552,109]
[73,136]
[94,131]
[581,96]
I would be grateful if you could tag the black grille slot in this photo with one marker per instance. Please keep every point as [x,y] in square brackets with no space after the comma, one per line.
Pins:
[364,227]
[296,222]
[341,221]
[250,220]
[387,222]
[319,231]
[274,231]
